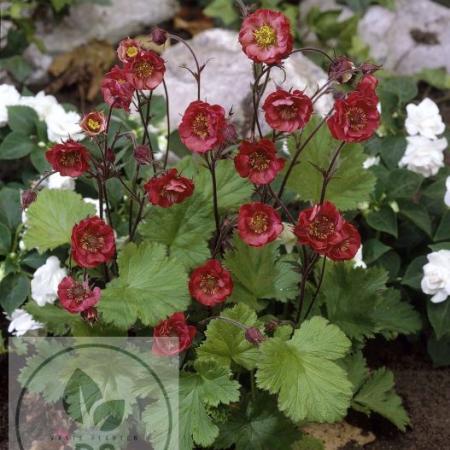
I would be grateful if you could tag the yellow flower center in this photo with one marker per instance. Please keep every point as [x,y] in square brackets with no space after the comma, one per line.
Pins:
[132,51]
[143,69]
[208,284]
[91,243]
[259,161]
[259,223]
[93,125]
[70,159]
[200,126]
[265,36]
[321,228]
[357,118]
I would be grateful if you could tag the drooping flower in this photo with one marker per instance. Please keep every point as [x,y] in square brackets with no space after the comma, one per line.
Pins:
[436,276]
[211,283]
[341,69]
[145,71]
[69,158]
[266,37]
[116,88]
[158,36]
[93,123]
[22,322]
[202,127]
[355,118]
[93,242]
[287,111]
[45,281]
[424,119]
[320,227]
[168,188]
[424,156]
[173,335]
[258,224]
[258,161]
[347,247]
[128,49]
[76,296]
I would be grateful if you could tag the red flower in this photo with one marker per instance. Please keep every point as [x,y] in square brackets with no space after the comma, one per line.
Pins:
[70,158]
[128,49]
[348,247]
[320,227]
[356,117]
[76,296]
[116,89]
[266,36]
[258,161]
[210,284]
[168,188]
[173,327]
[258,224]
[145,71]
[93,123]
[287,111]
[368,84]
[93,242]
[202,126]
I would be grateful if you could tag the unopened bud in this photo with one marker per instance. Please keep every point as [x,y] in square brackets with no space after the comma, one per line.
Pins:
[28,197]
[159,36]
[90,315]
[254,336]
[271,326]
[142,155]
[368,68]
[341,69]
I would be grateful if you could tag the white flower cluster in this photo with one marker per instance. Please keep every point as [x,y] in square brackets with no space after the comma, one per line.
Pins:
[436,276]
[424,152]
[60,124]
[22,322]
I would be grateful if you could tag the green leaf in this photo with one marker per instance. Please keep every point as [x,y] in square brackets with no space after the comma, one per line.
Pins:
[257,425]
[260,273]
[22,119]
[223,10]
[404,88]
[109,415]
[351,183]
[356,368]
[414,273]
[439,316]
[10,209]
[392,148]
[402,183]
[14,290]
[302,371]
[417,214]
[308,442]
[443,230]
[5,239]
[384,220]
[438,78]
[51,218]
[225,343]
[151,286]
[377,394]
[439,350]
[17,67]
[183,228]
[16,145]
[374,249]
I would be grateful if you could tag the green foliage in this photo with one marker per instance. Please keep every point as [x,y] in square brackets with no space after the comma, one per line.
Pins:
[151,286]
[52,216]
[10,209]
[223,10]
[22,119]
[439,350]
[260,273]
[14,290]
[439,317]
[304,374]
[225,343]
[351,183]
[358,301]
[308,442]
[384,219]
[16,145]
[438,78]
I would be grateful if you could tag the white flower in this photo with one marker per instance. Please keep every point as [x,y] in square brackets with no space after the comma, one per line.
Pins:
[447,193]
[43,104]
[95,202]
[44,285]
[57,181]
[62,125]
[358,259]
[8,97]
[324,103]
[22,322]
[436,276]
[424,119]
[423,155]
[287,237]
[371,161]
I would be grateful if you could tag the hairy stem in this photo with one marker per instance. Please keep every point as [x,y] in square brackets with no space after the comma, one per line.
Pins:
[319,285]
[166,155]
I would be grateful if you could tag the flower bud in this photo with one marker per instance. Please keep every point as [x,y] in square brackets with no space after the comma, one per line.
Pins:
[254,336]
[159,36]
[110,156]
[90,315]
[341,69]
[368,68]
[230,134]
[271,326]
[142,155]
[28,197]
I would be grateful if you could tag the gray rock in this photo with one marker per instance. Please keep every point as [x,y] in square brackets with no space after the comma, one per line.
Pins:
[227,78]
[414,36]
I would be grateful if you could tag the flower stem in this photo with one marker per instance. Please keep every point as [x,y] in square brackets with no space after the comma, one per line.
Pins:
[319,285]
[166,155]
[212,168]
[329,172]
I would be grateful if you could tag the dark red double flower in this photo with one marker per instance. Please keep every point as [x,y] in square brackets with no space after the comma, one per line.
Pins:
[202,127]
[145,71]
[70,158]
[323,228]
[168,188]
[211,283]
[258,224]
[93,242]
[76,296]
[176,328]
[287,111]
[356,118]
[258,161]
[116,88]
